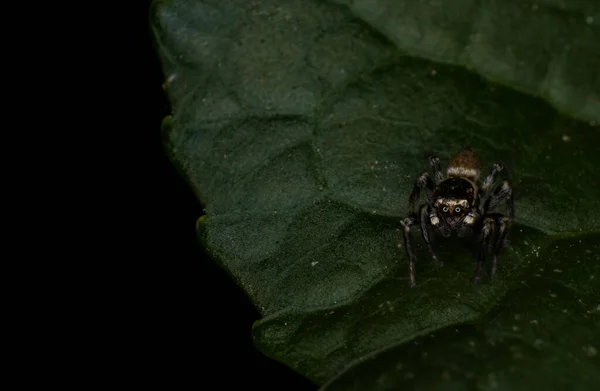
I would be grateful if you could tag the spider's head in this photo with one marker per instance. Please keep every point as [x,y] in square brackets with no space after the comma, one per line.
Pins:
[454,199]
[453,211]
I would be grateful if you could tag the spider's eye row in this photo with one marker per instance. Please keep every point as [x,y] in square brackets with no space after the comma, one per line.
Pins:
[445,209]
[457,210]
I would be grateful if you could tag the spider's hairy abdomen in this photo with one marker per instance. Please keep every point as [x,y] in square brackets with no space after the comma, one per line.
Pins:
[465,164]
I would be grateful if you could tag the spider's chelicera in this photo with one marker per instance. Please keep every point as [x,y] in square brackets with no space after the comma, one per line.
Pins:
[455,204]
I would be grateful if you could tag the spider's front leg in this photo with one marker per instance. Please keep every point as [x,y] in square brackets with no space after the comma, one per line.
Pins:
[429,218]
[423,182]
[408,222]
[504,223]
[426,218]
[487,231]
[503,192]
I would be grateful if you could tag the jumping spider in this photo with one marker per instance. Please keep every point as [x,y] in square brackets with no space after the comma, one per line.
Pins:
[454,204]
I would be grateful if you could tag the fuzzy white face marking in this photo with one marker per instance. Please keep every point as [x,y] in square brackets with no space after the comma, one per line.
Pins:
[472,173]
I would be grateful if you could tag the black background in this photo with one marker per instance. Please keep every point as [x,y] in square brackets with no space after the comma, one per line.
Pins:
[202,316]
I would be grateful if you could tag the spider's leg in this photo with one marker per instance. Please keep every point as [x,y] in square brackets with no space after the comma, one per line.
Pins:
[489,180]
[487,231]
[408,222]
[423,181]
[429,219]
[504,223]
[437,170]
[502,193]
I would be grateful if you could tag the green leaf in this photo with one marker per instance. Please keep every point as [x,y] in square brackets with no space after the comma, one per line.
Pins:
[548,48]
[302,129]
[543,333]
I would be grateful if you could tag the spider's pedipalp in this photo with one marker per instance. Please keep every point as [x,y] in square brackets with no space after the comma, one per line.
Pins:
[469,224]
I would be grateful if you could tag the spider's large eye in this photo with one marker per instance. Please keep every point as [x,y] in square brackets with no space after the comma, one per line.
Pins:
[445,209]
[457,210]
